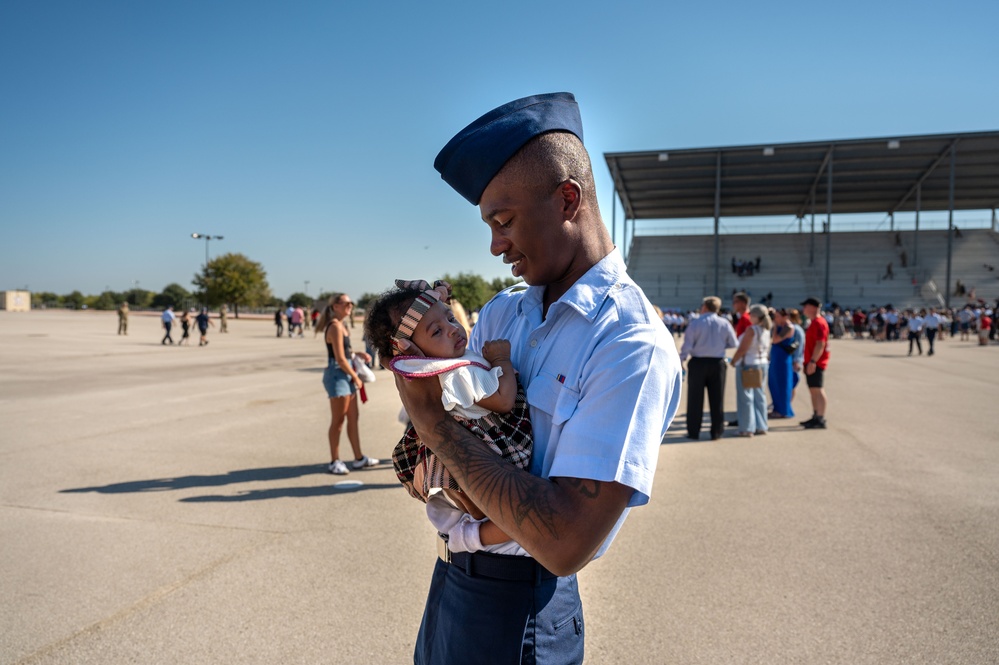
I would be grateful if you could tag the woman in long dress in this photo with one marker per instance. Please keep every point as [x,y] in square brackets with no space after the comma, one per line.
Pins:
[781,376]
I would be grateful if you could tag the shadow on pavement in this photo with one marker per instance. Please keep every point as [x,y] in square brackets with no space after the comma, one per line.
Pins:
[291,492]
[186,482]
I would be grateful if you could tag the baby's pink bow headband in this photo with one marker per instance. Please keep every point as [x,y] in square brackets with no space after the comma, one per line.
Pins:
[439,292]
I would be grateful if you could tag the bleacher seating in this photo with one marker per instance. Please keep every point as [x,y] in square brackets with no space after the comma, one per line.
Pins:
[677,271]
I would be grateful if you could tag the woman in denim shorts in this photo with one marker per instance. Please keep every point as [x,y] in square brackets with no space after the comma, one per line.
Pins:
[342,384]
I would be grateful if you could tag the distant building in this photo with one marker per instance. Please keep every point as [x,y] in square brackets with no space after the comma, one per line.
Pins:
[15,301]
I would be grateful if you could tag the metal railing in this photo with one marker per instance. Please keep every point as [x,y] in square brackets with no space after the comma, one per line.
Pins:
[782,226]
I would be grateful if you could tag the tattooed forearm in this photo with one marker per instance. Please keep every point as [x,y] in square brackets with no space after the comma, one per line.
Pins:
[494,484]
[588,488]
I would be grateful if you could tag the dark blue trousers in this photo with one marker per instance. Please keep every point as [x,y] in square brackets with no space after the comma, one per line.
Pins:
[472,619]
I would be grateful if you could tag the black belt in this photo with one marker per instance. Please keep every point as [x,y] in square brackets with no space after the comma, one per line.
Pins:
[495,566]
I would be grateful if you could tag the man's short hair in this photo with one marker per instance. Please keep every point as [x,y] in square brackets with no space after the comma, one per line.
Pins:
[550,159]
[712,304]
[742,296]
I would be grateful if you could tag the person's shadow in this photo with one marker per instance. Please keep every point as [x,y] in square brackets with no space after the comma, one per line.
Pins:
[342,487]
[234,477]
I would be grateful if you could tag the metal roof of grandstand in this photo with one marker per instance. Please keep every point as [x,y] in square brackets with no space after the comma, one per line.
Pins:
[868,176]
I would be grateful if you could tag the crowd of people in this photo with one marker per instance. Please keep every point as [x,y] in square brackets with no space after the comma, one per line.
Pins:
[296,320]
[771,347]
[744,267]
[973,321]
[187,319]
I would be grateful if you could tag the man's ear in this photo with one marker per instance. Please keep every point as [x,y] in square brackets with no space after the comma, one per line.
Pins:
[572,196]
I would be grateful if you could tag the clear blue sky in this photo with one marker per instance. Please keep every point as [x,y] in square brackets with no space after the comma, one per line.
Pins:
[305,132]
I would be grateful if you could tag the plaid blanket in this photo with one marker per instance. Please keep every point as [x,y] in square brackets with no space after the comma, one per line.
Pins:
[508,434]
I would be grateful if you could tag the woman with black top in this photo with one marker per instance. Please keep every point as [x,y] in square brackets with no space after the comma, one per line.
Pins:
[342,384]
[185,325]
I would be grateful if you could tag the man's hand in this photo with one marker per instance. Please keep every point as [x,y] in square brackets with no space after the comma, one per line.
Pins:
[810,368]
[406,347]
[420,397]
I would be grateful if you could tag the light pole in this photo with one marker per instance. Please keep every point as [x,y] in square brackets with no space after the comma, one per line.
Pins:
[208,238]
[306,287]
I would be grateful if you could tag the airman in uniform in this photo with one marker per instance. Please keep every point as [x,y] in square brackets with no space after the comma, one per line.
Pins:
[123,319]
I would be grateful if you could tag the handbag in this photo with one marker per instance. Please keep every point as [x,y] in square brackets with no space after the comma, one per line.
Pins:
[790,345]
[752,377]
[363,371]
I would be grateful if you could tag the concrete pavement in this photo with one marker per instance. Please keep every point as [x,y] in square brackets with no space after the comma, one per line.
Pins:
[169,505]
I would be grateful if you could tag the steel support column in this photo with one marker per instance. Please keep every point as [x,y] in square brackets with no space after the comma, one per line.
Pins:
[915,238]
[614,215]
[717,217]
[627,244]
[950,219]
[811,239]
[829,189]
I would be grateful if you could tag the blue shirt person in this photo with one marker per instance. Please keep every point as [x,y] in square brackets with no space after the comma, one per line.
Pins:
[708,336]
[707,339]
[602,378]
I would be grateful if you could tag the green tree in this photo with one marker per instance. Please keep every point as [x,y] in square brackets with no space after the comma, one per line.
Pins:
[45,299]
[139,298]
[300,299]
[74,300]
[471,290]
[235,280]
[108,300]
[173,295]
[501,283]
[365,300]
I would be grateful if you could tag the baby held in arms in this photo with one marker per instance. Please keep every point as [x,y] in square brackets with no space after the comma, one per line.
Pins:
[480,392]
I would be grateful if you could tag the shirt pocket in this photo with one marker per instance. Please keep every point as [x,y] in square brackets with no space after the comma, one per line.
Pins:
[553,397]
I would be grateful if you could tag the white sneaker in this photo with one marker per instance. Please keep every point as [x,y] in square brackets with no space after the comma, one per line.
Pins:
[364,462]
[338,468]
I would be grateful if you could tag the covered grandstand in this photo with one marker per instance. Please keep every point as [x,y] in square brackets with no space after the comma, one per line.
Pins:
[908,175]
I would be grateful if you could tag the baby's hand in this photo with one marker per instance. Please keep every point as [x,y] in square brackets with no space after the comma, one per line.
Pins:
[496,350]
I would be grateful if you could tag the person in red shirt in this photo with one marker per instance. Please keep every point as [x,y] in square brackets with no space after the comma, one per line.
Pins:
[859,319]
[740,306]
[816,359]
[984,324]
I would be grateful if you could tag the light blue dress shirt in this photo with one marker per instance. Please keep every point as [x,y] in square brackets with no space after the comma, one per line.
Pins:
[601,374]
[708,336]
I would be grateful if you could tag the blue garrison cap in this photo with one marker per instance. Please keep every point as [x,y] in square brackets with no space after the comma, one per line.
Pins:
[476,154]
